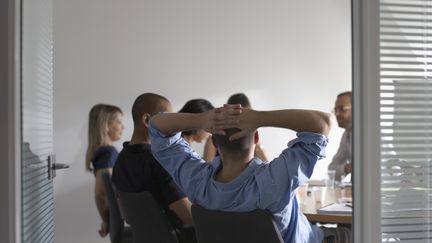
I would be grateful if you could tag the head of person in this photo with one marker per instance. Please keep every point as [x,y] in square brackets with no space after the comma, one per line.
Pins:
[239,98]
[196,106]
[105,126]
[239,148]
[343,110]
[145,106]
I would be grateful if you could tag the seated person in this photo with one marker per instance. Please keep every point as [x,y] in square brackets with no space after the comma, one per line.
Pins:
[105,127]
[236,181]
[342,160]
[136,169]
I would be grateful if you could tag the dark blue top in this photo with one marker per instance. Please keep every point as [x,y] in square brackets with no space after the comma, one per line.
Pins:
[104,157]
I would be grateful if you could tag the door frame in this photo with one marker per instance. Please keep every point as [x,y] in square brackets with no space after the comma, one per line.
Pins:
[10,123]
[366,125]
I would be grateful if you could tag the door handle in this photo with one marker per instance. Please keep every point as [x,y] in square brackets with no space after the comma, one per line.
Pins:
[58,166]
[53,166]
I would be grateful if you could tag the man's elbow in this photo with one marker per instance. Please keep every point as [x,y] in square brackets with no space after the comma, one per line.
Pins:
[325,124]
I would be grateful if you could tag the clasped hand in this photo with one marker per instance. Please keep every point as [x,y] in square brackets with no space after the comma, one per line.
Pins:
[227,117]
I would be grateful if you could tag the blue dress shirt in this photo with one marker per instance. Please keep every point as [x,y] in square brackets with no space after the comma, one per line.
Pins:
[268,186]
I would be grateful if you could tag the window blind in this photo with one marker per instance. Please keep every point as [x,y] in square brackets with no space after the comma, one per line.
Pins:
[37,201]
[406,120]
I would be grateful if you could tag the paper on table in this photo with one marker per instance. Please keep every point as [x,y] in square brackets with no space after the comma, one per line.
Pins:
[336,208]
[316,182]
[345,200]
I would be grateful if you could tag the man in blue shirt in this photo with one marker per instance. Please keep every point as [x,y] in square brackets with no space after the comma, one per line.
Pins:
[235,180]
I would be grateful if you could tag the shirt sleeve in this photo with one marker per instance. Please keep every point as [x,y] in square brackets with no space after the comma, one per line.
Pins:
[278,179]
[179,159]
[340,159]
[104,158]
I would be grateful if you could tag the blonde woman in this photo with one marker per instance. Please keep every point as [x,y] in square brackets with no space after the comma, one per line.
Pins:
[105,127]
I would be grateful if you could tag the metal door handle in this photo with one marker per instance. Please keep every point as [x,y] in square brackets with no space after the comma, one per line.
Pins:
[57,166]
[53,166]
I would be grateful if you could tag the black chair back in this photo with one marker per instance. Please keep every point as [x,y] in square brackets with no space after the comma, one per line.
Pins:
[214,226]
[148,221]
[117,231]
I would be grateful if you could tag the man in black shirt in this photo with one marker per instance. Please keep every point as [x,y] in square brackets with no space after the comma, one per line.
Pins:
[136,169]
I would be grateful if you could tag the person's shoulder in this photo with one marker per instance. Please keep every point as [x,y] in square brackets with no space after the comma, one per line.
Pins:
[135,150]
[104,157]
[136,154]
[105,152]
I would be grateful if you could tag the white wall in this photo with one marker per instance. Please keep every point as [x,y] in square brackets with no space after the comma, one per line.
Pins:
[282,54]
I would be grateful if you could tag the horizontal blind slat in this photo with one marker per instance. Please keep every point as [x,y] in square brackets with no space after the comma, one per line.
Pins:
[406,120]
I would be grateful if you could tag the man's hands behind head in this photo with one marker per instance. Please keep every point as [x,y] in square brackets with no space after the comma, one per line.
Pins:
[216,121]
[230,116]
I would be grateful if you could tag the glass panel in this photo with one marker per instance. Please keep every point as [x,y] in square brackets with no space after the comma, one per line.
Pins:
[406,120]
[37,121]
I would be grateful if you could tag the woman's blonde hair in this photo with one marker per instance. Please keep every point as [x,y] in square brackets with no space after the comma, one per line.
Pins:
[99,117]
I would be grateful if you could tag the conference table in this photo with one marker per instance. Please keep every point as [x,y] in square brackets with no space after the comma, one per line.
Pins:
[309,204]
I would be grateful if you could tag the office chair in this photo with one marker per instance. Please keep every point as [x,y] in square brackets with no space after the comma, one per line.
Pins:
[214,226]
[148,221]
[119,233]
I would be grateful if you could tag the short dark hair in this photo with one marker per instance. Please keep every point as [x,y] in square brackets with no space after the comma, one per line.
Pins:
[241,145]
[345,93]
[239,98]
[147,103]
[195,106]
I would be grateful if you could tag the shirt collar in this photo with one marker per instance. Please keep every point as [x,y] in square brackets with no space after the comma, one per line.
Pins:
[138,146]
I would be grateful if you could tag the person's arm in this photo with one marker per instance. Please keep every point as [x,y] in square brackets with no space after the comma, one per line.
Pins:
[186,166]
[213,121]
[182,208]
[348,168]
[340,159]
[259,153]
[101,201]
[297,120]
[209,150]
[278,179]
[247,120]
[172,194]
[177,156]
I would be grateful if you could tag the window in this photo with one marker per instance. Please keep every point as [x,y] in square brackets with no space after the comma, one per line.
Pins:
[405,120]
[392,57]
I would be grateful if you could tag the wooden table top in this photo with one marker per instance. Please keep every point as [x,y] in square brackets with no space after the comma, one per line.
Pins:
[309,205]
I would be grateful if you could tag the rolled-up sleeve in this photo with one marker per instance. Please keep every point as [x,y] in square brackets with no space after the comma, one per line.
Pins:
[178,158]
[292,168]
